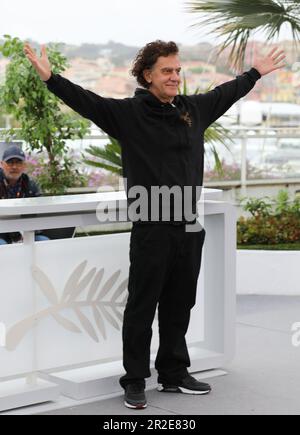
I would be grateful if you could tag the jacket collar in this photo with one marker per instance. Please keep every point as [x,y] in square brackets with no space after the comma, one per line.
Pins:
[152,99]
[155,107]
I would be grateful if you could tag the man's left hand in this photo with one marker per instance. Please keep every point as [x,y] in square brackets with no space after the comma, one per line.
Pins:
[271,62]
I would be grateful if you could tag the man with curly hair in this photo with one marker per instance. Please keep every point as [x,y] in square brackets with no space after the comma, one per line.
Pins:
[161,135]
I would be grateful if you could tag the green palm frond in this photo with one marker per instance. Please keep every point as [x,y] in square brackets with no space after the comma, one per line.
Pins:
[237,20]
[108,158]
[218,163]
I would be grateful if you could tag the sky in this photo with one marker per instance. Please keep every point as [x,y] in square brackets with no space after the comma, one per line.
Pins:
[132,22]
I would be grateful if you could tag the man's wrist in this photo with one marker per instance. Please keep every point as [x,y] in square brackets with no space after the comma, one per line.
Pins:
[49,78]
[255,74]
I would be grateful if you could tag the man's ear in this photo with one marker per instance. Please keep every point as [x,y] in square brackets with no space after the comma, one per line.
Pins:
[148,76]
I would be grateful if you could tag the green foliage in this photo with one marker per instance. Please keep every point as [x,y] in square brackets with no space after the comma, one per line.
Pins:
[44,126]
[270,222]
[108,158]
[258,207]
[60,176]
[235,21]
[284,206]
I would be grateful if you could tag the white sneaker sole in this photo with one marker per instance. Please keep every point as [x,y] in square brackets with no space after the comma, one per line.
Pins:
[135,407]
[182,390]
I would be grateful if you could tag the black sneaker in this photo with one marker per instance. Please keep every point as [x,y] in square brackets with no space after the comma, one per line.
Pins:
[188,385]
[135,396]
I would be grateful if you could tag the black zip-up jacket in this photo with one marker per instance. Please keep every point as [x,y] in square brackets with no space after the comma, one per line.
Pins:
[162,143]
[27,189]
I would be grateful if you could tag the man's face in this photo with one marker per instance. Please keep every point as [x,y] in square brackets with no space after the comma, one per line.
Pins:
[13,169]
[165,78]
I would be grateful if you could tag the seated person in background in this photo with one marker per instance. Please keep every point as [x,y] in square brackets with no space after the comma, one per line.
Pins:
[15,183]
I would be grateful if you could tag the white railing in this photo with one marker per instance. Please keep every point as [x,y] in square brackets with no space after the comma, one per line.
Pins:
[246,134]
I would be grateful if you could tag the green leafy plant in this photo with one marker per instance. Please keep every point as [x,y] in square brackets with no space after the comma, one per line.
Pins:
[67,175]
[270,222]
[283,204]
[43,125]
[258,206]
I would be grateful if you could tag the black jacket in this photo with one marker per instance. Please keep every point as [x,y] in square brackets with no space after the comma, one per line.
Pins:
[162,143]
[28,189]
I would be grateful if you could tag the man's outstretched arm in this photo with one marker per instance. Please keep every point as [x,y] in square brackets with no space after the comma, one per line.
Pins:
[215,103]
[107,113]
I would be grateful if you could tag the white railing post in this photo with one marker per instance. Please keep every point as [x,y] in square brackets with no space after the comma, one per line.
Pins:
[244,165]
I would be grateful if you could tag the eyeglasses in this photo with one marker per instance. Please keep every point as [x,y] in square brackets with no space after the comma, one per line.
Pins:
[14,162]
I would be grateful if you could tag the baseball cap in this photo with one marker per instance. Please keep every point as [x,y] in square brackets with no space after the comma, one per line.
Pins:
[13,152]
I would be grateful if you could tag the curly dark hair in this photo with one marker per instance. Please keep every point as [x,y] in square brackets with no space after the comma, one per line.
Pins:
[147,58]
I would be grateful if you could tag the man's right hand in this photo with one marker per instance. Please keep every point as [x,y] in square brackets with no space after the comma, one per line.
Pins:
[40,64]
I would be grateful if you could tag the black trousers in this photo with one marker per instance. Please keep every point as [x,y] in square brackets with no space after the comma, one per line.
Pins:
[165,263]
